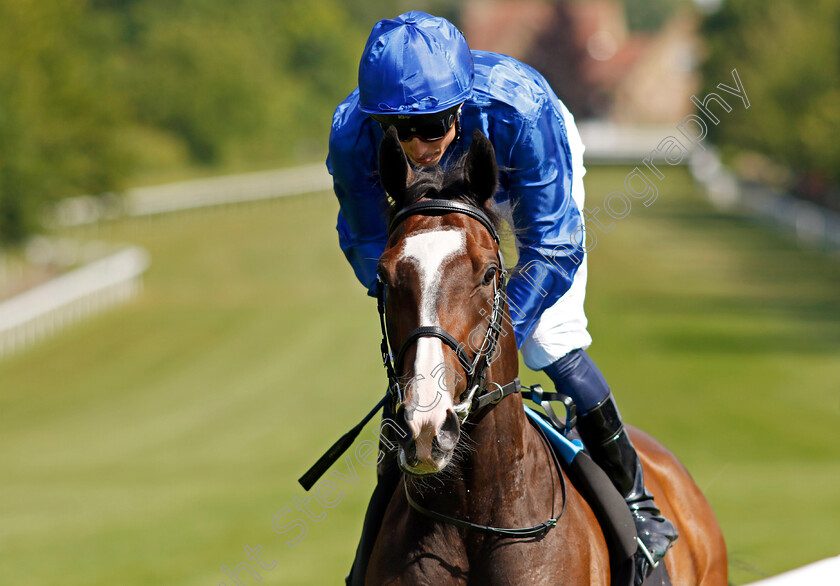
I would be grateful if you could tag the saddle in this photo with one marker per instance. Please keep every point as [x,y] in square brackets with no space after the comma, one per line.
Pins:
[596,488]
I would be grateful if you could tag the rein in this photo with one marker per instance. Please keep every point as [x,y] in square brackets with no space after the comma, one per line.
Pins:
[476,369]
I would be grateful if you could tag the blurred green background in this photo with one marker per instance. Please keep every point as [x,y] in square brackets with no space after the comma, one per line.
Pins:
[151,444]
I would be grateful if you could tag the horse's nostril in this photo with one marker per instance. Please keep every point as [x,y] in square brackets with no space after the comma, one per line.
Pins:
[451,423]
[405,435]
[411,454]
[443,444]
[437,451]
[447,436]
[450,431]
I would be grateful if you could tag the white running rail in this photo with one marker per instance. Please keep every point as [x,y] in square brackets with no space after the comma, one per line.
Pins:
[33,314]
[197,193]
[822,573]
[813,225]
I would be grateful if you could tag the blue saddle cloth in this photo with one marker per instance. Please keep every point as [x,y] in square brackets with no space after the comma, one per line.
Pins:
[607,504]
[564,447]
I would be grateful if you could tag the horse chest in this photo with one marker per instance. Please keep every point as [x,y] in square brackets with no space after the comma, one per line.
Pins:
[414,552]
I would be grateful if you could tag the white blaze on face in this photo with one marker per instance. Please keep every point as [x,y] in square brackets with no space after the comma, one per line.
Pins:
[430,252]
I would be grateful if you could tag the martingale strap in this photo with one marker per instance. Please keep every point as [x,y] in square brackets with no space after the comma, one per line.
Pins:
[491,397]
[535,531]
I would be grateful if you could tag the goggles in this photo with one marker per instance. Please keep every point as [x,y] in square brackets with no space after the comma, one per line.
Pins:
[428,127]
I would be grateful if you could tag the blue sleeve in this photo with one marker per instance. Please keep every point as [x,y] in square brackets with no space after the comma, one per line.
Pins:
[547,221]
[362,229]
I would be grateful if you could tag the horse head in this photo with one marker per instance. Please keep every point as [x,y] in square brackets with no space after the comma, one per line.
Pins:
[441,274]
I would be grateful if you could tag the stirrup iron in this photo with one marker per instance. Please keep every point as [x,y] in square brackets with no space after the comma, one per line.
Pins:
[646,552]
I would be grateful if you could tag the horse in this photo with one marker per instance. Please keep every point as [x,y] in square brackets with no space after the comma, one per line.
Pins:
[468,470]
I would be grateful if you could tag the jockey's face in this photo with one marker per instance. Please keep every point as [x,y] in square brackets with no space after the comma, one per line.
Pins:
[427,153]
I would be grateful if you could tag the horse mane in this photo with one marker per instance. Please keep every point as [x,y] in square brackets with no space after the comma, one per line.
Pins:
[444,183]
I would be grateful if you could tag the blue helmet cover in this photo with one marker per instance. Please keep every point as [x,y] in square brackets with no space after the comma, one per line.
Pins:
[414,64]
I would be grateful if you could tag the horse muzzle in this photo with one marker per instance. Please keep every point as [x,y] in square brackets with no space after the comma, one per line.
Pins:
[427,448]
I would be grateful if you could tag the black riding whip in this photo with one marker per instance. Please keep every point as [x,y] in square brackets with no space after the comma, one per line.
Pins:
[323,464]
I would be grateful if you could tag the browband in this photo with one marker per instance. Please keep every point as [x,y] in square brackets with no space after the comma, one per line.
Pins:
[444,206]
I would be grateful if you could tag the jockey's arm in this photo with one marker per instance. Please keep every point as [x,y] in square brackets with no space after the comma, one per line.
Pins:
[546,217]
[362,229]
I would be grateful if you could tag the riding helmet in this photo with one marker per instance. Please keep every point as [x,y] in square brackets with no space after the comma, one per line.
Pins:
[414,64]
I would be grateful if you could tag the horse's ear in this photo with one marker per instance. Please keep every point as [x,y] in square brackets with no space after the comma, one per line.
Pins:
[482,173]
[394,170]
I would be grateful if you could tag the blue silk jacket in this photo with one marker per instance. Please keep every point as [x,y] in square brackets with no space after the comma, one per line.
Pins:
[514,106]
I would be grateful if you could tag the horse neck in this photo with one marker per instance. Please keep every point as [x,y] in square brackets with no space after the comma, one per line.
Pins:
[498,440]
[505,420]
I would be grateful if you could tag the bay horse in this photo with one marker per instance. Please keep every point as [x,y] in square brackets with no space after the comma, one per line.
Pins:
[441,274]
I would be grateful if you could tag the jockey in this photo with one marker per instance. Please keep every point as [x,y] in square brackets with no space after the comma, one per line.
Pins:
[418,74]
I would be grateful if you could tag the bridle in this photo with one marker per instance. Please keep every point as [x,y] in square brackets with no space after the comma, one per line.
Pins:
[475,367]
[477,395]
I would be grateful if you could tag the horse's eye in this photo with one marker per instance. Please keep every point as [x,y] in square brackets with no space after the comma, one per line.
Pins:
[488,276]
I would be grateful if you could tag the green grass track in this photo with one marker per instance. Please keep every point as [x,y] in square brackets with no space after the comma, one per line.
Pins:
[152,443]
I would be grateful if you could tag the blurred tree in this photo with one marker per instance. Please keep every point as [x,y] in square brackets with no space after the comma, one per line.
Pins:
[92,91]
[650,15]
[58,115]
[788,58]
[237,80]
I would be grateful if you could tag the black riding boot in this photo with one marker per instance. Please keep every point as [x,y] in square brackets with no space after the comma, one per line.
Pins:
[609,445]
